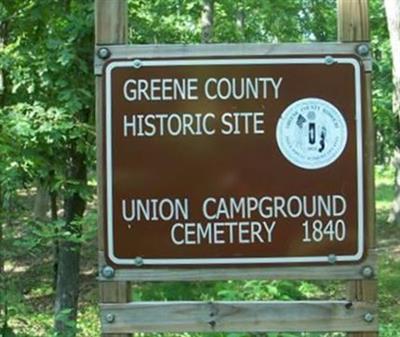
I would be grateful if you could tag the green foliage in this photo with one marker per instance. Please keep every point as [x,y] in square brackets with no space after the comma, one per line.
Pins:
[46,116]
[389,261]
[268,21]
[172,21]
[47,106]
[164,21]
[385,121]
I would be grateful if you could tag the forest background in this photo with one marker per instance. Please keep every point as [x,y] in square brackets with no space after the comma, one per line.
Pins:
[47,151]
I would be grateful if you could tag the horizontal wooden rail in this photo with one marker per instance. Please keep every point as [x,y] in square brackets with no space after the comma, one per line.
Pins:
[330,272]
[307,316]
[227,50]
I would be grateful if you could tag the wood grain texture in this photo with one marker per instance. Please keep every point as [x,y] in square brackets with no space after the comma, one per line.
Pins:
[228,50]
[114,292]
[334,272]
[111,22]
[99,167]
[353,23]
[307,316]
[353,26]
[111,28]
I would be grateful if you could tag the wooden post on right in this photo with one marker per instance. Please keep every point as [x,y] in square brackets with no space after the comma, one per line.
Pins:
[353,26]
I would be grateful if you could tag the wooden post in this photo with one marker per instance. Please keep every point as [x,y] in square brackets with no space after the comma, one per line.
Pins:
[353,22]
[353,26]
[111,28]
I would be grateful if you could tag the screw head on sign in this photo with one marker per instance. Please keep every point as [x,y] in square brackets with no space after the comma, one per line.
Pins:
[367,271]
[104,53]
[332,258]
[108,272]
[362,49]
[138,261]
[329,60]
[368,317]
[137,64]
[110,318]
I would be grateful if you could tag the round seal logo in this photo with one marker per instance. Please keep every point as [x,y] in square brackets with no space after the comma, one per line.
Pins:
[311,133]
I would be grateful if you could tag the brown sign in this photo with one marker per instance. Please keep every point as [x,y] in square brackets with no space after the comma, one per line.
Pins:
[233,161]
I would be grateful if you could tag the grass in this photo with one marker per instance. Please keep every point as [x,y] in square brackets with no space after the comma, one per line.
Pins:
[389,255]
[30,295]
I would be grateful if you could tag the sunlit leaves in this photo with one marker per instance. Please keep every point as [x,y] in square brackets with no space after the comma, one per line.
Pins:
[49,89]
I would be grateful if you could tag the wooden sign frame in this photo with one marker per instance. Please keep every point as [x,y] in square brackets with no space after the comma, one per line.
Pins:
[357,314]
[166,59]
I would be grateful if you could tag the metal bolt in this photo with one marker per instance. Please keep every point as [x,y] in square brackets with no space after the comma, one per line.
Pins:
[110,318]
[138,261]
[137,64]
[108,272]
[329,60]
[332,258]
[104,53]
[368,317]
[367,271]
[362,49]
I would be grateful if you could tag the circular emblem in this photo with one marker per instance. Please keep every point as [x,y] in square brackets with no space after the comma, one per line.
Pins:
[311,133]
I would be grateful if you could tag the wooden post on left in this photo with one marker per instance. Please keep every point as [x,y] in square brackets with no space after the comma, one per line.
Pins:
[111,28]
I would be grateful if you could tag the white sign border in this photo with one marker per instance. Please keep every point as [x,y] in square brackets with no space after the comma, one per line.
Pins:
[245,260]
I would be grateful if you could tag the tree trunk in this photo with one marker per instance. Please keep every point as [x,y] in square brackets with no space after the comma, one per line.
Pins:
[67,287]
[1,81]
[3,288]
[2,249]
[41,205]
[54,218]
[2,38]
[240,17]
[207,17]
[3,42]
[393,18]
[67,250]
